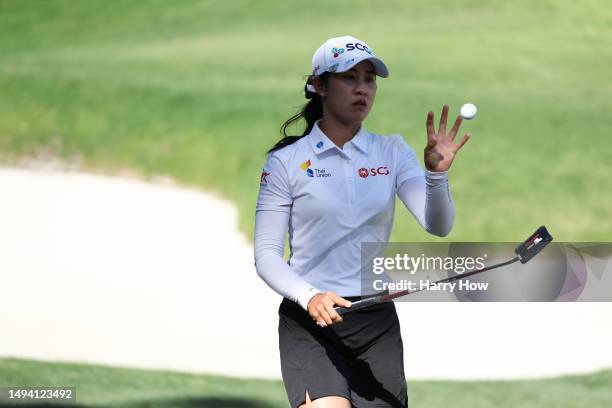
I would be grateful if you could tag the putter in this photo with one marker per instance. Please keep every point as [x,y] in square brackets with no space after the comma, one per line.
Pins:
[524,252]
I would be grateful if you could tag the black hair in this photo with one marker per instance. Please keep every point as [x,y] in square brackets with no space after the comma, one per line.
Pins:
[311,112]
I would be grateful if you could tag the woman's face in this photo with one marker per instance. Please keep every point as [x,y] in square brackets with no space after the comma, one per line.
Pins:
[349,95]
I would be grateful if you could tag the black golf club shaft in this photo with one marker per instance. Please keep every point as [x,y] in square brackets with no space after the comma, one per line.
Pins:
[360,304]
[525,251]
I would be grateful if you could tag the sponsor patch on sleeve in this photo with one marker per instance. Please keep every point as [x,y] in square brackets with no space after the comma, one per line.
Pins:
[264,178]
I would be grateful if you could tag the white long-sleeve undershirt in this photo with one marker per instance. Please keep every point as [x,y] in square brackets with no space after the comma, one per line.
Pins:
[427,198]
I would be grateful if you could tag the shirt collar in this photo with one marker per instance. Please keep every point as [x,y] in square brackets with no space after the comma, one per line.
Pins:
[360,140]
[321,143]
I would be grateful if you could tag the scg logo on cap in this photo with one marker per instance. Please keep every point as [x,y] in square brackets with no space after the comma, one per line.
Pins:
[359,46]
[339,54]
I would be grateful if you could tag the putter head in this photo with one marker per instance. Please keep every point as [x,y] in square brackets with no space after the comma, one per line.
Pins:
[534,244]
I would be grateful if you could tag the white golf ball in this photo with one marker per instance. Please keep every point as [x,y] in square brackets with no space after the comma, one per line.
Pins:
[468,111]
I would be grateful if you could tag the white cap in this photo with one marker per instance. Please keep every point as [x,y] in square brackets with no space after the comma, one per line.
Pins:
[340,54]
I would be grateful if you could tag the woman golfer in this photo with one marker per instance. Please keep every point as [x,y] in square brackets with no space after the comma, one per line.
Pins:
[333,188]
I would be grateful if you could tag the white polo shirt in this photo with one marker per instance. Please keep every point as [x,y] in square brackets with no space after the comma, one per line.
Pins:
[337,199]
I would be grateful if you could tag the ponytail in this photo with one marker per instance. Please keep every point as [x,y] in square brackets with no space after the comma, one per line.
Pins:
[311,112]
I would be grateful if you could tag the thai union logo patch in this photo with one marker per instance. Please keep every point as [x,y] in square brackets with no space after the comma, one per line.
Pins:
[306,167]
[314,172]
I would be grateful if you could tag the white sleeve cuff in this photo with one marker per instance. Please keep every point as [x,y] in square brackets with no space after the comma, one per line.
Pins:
[305,298]
[436,177]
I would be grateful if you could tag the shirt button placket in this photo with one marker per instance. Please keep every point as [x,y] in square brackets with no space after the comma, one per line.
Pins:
[348,171]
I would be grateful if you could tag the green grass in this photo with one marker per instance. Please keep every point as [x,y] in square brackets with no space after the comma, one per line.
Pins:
[198,90]
[102,386]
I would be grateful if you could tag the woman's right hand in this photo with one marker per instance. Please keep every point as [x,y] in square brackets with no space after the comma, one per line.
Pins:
[321,308]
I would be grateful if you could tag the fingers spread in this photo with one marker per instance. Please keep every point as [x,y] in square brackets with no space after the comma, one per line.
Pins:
[442,128]
[431,133]
[455,128]
[464,140]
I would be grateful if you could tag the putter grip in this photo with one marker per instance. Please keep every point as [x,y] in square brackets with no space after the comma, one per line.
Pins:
[360,304]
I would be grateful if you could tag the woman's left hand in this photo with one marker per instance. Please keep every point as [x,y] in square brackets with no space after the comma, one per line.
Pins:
[441,148]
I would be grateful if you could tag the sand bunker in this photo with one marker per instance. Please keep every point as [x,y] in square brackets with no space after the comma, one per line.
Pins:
[122,272]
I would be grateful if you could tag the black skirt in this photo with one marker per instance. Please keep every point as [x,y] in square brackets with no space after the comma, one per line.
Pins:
[360,359]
